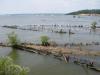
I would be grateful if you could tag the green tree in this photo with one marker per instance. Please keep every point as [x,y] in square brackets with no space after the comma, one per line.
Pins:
[44,40]
[94,25]
[7,67]
[13,39]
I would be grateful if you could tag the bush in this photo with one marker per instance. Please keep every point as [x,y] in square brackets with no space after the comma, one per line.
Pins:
[93,25]
[44,40]
[7,67]
[13,39]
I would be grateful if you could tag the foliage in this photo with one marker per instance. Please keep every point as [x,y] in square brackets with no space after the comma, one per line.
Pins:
[93,11]
[7,67]
[93,25]
[13,39]
[44,40]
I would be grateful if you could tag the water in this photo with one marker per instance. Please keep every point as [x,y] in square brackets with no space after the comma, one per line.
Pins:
[34,37]
[81,34]
[47,19]
[45,65]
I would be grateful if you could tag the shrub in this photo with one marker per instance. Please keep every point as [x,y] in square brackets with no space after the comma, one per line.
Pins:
[93,25]
[7,67]
[13,39]
[44,40]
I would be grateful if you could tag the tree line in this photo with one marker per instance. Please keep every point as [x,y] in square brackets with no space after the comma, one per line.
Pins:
[92,11]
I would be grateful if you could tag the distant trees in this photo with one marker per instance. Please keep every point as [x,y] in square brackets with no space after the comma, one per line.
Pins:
[13,39]
[7,67]
[93,11]
[44,40]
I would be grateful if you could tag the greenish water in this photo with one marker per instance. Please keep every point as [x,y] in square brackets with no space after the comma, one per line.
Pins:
[45,65]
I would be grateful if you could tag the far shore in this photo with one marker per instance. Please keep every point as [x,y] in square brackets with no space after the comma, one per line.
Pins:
[89,14]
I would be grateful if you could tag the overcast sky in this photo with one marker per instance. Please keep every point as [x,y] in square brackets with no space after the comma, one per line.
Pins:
[46,6]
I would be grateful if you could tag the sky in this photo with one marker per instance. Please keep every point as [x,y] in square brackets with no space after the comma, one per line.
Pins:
[46,6]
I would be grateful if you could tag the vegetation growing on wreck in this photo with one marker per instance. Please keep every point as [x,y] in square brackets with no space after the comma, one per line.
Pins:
[13,39]
[93,25]
[45,40]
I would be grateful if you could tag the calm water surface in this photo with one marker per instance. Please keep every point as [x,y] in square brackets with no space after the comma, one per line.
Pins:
[81,35]
[47,19]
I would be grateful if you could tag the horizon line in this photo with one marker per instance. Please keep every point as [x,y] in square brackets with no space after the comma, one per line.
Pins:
[18,13]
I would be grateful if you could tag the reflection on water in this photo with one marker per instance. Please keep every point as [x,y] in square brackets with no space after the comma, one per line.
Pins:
[86,70]
[13,54]
[45,65]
